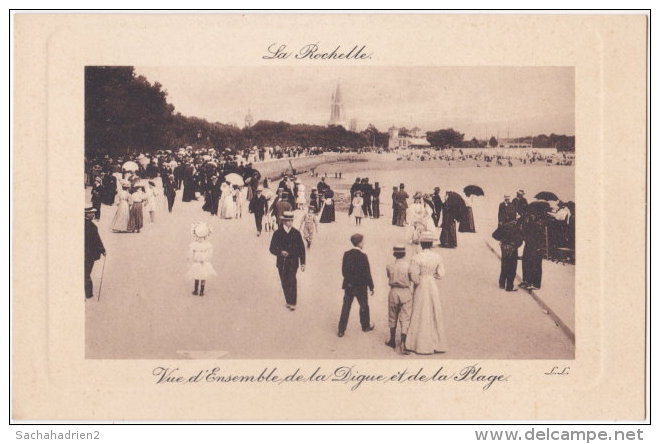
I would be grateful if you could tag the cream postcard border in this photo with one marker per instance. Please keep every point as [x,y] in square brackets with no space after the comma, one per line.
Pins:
[52,380]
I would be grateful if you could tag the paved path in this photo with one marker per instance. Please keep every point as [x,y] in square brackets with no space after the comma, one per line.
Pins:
[147,310]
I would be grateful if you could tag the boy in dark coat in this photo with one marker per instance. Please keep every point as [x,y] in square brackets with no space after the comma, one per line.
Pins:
[357,278]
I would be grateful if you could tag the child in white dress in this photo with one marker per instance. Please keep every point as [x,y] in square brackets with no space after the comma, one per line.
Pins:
[358,212]
[200,255]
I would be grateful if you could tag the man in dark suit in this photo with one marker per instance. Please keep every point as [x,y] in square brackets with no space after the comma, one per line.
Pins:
[214,193]
[437,206]
[93,249]
[520,203]
[506,211]
[287,244]
[169,187]
[258,207]
[178,175]
[357,278]
[395,212]
[367,191]
[401,205]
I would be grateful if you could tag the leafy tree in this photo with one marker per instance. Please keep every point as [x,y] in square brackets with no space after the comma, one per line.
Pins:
[492,142]
[445,138]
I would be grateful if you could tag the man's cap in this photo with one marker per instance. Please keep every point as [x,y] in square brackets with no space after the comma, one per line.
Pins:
[356,238]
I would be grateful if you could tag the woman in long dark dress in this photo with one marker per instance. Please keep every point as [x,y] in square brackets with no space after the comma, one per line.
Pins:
[375,201]
[328,214]
[467,222]
[448,233]
[189,186]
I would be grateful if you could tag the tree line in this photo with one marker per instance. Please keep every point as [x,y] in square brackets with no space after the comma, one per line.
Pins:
[125,112]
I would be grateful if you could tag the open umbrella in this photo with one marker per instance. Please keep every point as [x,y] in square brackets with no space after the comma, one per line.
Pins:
[471,190]
[130,166]
[509,233]
[539,207]
[234,179]
[546,195]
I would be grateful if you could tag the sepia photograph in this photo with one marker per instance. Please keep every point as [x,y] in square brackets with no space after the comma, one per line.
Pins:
[329,212]
[329,217]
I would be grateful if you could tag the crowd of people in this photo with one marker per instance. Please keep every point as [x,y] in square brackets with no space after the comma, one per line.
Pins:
[141,186]
[547,228]
[483,159]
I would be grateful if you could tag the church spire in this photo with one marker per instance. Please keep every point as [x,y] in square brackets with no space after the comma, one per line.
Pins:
[337,108]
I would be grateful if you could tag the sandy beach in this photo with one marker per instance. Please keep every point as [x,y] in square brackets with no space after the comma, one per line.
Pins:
[147,310]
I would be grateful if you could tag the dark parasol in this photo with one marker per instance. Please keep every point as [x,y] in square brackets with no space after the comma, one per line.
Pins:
[471,190]
[546,195]
[509,233]
[540,207]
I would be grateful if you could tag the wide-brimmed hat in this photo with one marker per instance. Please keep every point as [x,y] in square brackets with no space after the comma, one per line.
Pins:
[399,248]
[201,230]
[521,192]
[417,195]
[427,236]
[287,215]
[260,188]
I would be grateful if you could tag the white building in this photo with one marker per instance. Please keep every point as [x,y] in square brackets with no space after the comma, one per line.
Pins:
[415,139]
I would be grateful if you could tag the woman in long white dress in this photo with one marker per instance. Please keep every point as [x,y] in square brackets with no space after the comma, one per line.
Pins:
[228,209]
[426,334]
[419,219]
[120,221]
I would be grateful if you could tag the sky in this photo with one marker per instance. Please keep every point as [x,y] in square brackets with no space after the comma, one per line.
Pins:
[477,101]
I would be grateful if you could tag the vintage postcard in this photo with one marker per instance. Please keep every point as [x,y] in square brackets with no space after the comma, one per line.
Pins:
[329,217]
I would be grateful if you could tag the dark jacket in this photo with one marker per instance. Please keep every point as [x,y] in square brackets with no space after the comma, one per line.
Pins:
[506,213]
[520,204]
[292,243]
[258,205]
[93,245]
[437,203]
[355,269]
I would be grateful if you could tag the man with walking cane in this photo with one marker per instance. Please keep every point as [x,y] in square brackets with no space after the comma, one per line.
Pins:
[287,244]
[93,249]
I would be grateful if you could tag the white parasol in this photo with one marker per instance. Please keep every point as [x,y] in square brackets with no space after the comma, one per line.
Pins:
[234,179]
[130,166]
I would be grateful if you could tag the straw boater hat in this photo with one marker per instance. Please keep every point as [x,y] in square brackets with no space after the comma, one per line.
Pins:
[399,248]
[89,210]
[201,230]
[427,236]
[287,215]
